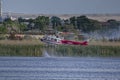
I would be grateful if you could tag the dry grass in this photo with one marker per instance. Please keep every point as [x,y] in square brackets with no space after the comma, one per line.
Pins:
[38,42]
[31,40]
[104,43]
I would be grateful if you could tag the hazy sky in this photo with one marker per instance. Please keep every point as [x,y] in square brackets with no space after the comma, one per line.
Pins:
[61,6]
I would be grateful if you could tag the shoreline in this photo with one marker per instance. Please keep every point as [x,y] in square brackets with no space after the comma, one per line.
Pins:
[34,48]
[38,42]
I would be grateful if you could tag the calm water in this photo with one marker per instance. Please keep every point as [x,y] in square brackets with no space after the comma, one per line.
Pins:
[44,68]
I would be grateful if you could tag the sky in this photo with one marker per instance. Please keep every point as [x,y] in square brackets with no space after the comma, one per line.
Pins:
[61,6]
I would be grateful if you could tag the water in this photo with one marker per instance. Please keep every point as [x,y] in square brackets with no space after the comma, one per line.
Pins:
[64,68]
[106,33]
[45,54]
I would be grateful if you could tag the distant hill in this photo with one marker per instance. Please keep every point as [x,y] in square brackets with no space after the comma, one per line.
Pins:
[100,17]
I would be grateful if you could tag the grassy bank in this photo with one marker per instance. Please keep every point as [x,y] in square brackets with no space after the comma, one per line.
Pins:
[92,51]
[78,51]
[21,50]
[35,48]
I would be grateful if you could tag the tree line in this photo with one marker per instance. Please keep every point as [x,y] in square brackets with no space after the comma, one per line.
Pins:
[42,23]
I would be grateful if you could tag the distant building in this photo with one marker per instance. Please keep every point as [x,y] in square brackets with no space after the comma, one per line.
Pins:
[12,18]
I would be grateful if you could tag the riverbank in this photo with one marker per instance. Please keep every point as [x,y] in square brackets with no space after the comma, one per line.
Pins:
[38,42]
[24,48]
[89,51]
[35,48]
[21,50]
[21,42]
[104,43]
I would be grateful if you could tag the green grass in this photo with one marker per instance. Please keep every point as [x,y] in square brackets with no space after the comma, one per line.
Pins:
[93,51]
[21,50]
[77,51]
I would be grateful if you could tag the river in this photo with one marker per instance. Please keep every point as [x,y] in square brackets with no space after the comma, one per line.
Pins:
[59,68]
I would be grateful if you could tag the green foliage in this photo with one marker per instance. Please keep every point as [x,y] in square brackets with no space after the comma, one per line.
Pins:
[73,21]
[11,25]
[41,22]
[92,51]
[3,29]
[22,26]
[113,23]
[82,23]
[8,21]
[60,50]
[20,20]
[56,21]
[85,24]
[21,50]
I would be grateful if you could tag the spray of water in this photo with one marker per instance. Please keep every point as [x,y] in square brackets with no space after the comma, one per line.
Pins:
[49,51]
[45,54]
[106,34]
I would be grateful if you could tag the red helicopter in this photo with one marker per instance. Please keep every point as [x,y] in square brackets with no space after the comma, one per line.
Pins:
[52,39]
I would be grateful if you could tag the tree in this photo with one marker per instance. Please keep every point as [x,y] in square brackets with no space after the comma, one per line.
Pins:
[86,25]
[113,23]
[3,29]
[22,26]
[20,20]
[56,21]
[9,24]
[73,21]
[41,22]
[8,21]
[82,22]
[67,22]
[30,20]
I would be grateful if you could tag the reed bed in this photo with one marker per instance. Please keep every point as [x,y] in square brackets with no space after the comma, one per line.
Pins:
[21,50]
[92,51]
[61,50]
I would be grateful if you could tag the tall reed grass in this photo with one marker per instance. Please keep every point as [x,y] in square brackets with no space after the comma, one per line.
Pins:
[92,51]
[21,50]
[63,50]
